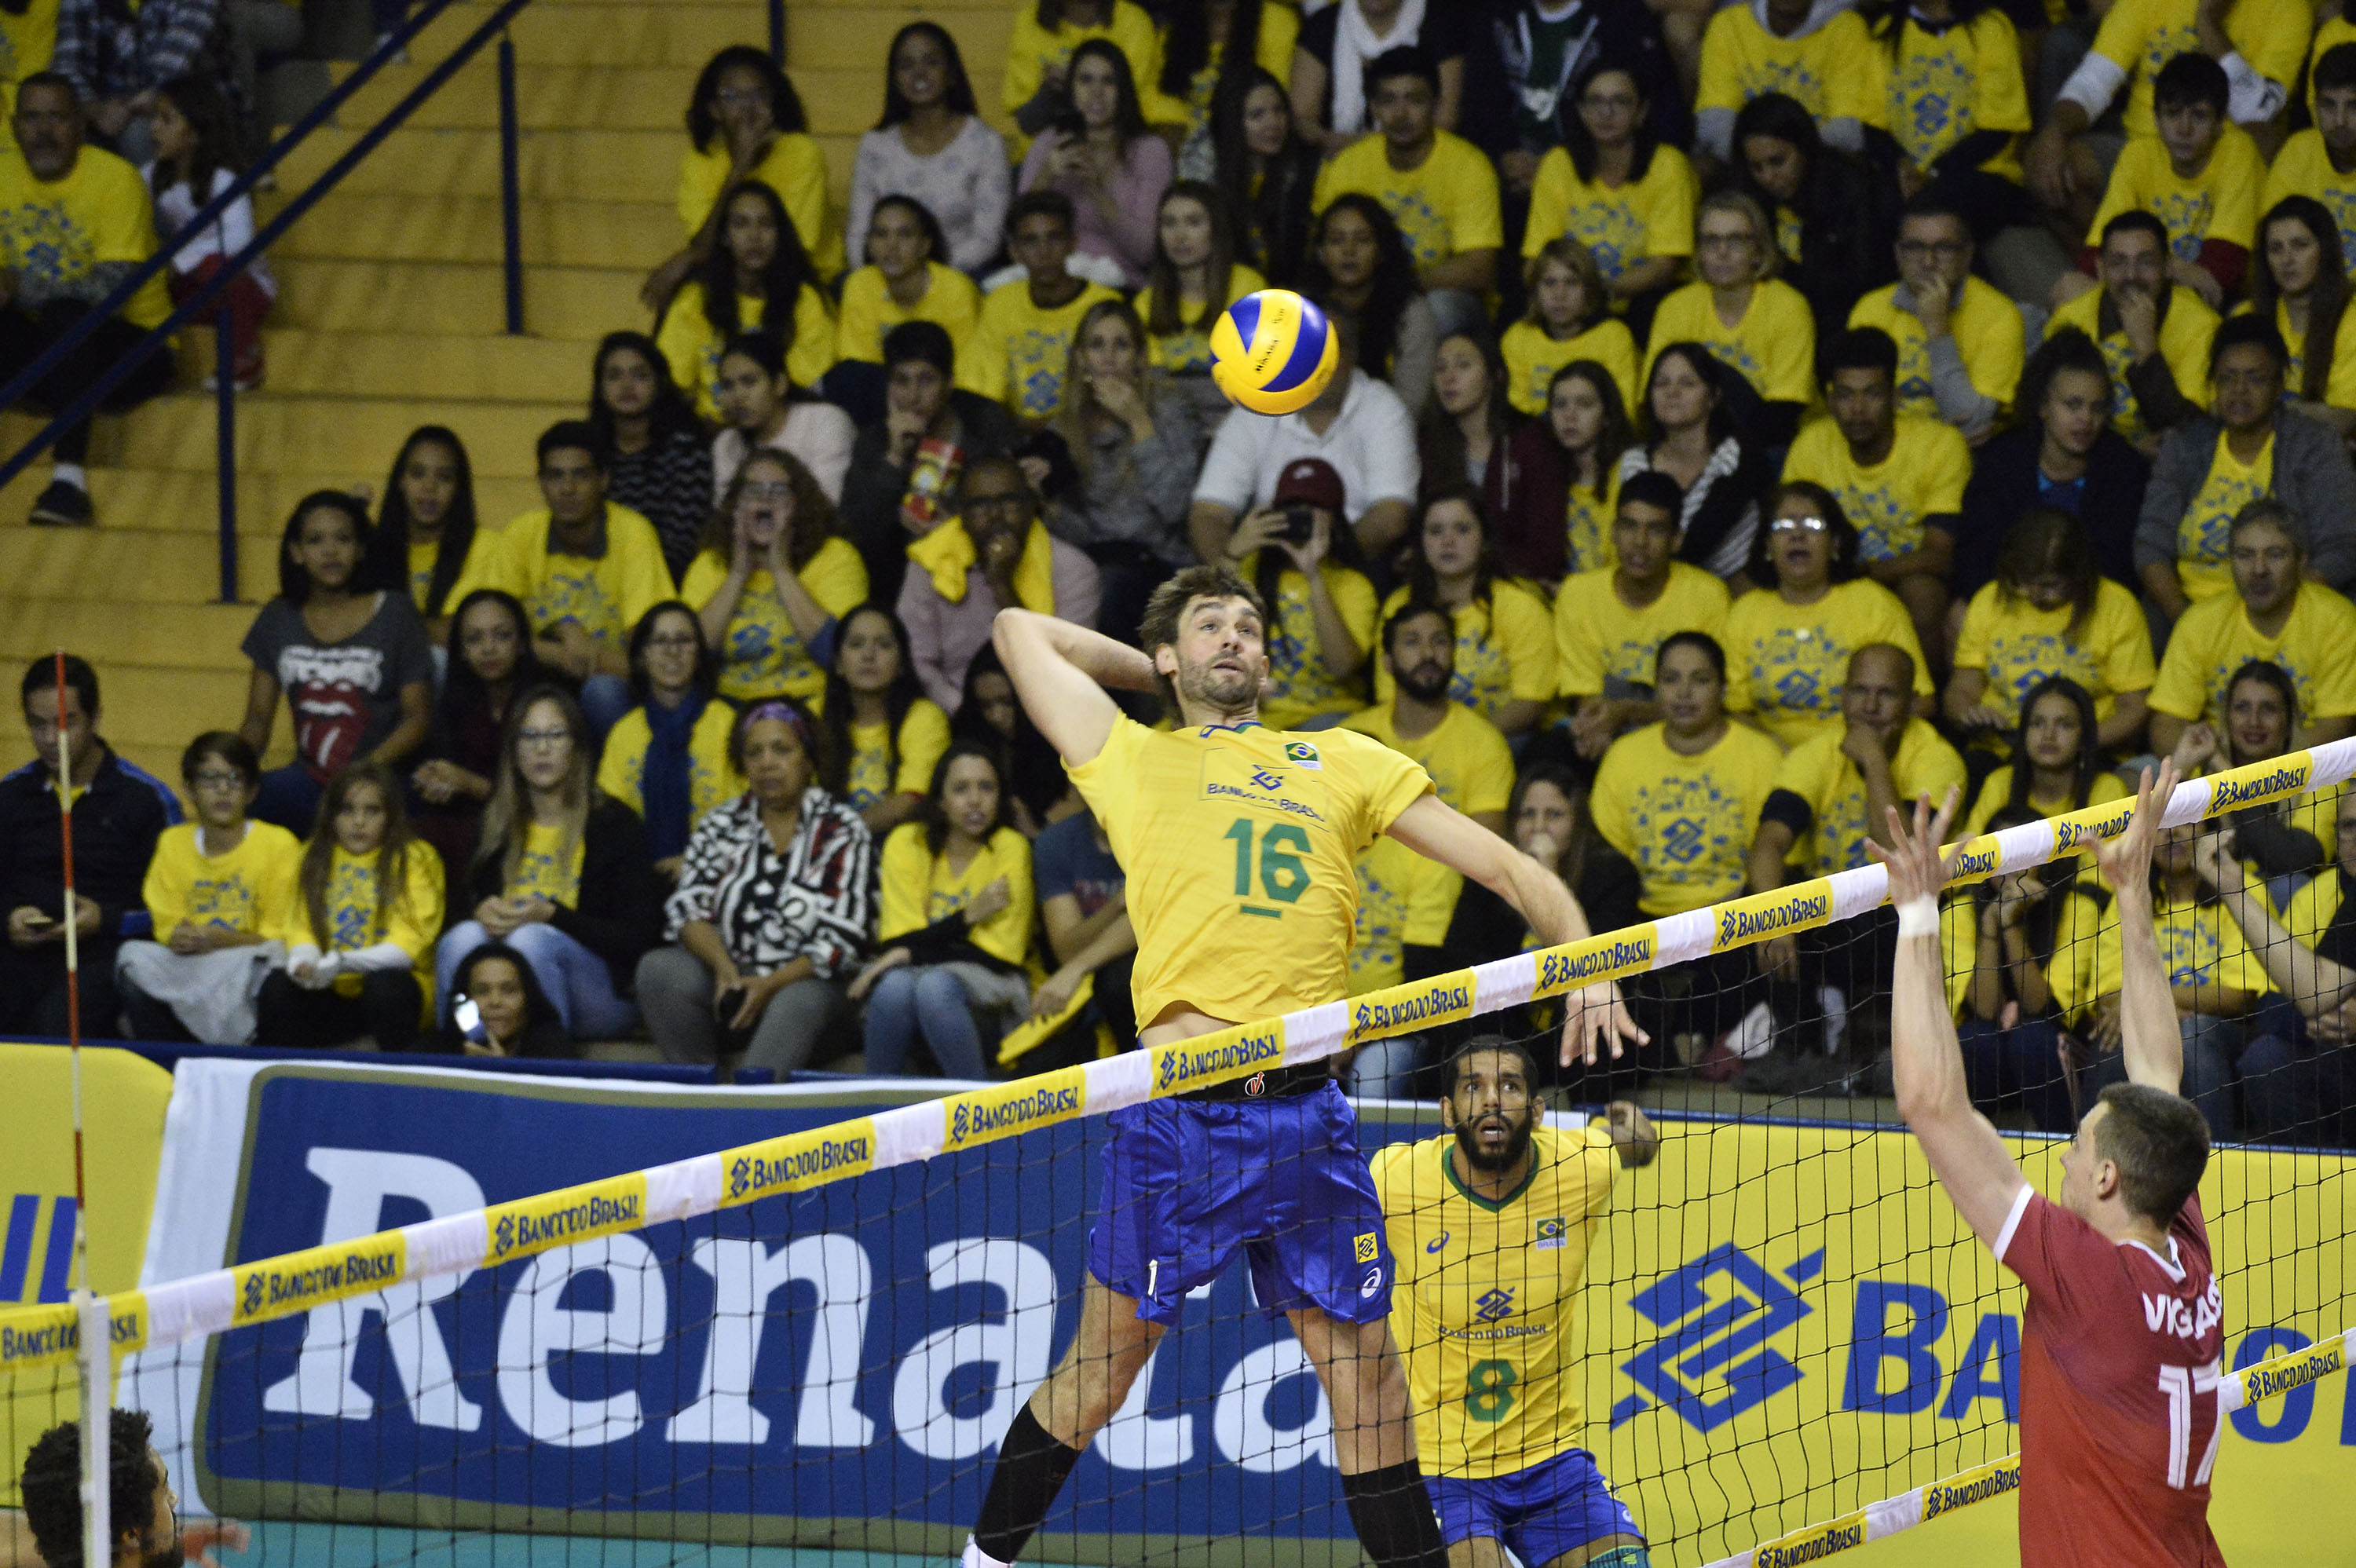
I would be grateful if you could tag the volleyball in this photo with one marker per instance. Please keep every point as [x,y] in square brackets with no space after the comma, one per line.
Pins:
[1273,352]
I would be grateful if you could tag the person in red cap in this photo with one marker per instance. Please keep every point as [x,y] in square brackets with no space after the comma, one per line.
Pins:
[1321,607]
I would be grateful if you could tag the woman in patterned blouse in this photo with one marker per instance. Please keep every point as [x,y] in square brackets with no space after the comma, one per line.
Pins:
[772,909]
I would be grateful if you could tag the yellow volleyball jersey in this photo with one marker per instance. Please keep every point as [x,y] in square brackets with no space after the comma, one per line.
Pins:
[1239,844]
[1485,1307]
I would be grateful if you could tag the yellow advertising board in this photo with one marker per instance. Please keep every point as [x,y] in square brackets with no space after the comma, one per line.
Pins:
[1785,1324]
[123,1098]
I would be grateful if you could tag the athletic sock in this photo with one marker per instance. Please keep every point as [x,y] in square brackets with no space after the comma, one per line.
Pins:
[71,474]
[1392,1514]
[1031,1469]
[1623,1557]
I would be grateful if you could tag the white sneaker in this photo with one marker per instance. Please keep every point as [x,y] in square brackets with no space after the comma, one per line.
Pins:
[1836,1007]
[1755,1035]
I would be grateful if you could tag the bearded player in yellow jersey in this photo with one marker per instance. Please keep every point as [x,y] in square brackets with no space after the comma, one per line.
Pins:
[1239,844]
[1490,1222]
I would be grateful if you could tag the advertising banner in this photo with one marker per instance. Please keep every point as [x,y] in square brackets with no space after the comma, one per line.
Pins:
[1783,1324]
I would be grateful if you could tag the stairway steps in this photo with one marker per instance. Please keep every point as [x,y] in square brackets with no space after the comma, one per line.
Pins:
[351,225]
[493,368]
[338,439]
[577,303]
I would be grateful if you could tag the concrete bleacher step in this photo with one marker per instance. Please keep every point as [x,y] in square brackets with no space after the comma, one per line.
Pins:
[135,567]
[579,303]
[181,637]
[348,226]
[338,439]
[571,166]
[403,365]
[676,33]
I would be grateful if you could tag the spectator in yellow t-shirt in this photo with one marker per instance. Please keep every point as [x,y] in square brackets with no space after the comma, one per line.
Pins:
[585,569]
[1960,342]
[2273,614]
[1814,54]
[887,734]
[2154,333]
[954,932]
[2200,177]
[666,759]
[1470,764]
[74,221]
[747,125]
[1951,97]
[2282,837]
[2320,162]
[1039,56]
[1441,190]
[1789,642]
[1900,478]
[1195,277]
[2057,760]
[1022,343]
[1743,314]
[1611,624]
[2047,613]
[756,275]
[768,579]
[2299,281]
[1616,190]
[1503,666]
[2211,467]
[907,278]
[1570,319]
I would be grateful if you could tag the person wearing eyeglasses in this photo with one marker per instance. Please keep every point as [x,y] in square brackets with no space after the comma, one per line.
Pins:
[561,873]
[666,759]
[1960,341]
[1788,642]
[994,554]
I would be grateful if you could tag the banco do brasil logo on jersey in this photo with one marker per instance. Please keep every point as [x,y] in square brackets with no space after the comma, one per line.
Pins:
[1718,1316]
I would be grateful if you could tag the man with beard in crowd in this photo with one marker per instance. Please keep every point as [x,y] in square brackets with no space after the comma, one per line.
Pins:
[1490,1224]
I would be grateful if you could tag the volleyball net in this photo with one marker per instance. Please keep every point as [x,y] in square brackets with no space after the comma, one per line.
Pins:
[1787,1344]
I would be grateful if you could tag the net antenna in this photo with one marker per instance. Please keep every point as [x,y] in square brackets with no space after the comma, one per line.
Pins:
[89,1308]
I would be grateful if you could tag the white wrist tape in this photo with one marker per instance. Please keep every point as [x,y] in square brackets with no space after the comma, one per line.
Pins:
[1919,917]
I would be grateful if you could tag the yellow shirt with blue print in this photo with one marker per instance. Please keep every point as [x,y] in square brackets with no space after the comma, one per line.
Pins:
[1019,351]
[1603,647]
[1685,823]
[691,345]
[924,740]
[1996,793]
[1534,358]
[1827,70]
[2339,382]
[1921,477]
[1785,664]
[2016,645]
[57,231]
[2303,167]
[2184,334]
[2220,202]
[2315,648]
[547,870]
[1485,1307]
[1504,650]
[1445,207]
[2140,37]
[1241,844]
[1468,762]
[1300,688]
[1623,224]
[794,167]
[604,596]
[1821,774]
[1187,351]
[412,919]
[1938,88]
[711,779]
[760,654]
[1774,344]
[1404,901]
[1279,31]
[252,889]
[2204,534]
[1987,330]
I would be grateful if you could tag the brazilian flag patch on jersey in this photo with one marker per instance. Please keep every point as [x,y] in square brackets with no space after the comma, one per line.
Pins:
[1304,755]
[1551,1233]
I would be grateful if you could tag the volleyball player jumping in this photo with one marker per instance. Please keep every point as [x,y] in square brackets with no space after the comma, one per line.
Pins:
[1238,843]
[2120,1350]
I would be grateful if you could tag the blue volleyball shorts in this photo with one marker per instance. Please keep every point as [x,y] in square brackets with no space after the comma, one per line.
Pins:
[1539,1513]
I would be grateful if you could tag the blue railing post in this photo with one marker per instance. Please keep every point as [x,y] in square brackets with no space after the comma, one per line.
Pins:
[777,32]
[225,456]
[510,192]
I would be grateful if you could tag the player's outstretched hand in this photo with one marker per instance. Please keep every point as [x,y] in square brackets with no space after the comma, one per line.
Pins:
[1917,870]
[1595,1019]
[2126,860]
[1632,1132]
[198,1537]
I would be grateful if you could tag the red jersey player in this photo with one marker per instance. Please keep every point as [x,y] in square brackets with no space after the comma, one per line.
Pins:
[2120,1352]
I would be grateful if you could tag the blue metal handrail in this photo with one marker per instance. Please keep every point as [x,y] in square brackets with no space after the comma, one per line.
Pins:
[265,237]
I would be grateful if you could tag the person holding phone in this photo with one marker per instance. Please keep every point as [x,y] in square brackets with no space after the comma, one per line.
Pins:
[497,1008]
[1321,609]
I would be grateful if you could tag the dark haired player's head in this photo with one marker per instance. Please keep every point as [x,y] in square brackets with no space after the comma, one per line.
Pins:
[2140,1149]
[1489,1099]
[1202,629]
[1419,647]
[139,1496]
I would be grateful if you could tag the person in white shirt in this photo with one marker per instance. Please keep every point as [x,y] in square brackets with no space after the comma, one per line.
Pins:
[1357,424]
